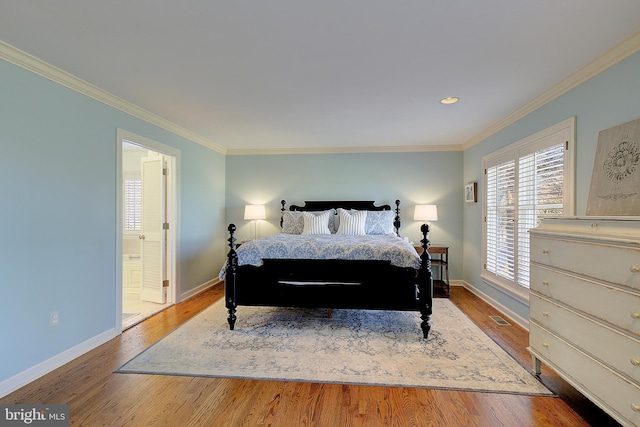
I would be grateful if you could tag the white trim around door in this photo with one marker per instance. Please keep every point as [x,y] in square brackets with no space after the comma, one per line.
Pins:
[172,209]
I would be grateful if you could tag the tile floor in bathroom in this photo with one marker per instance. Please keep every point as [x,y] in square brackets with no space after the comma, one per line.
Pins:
[132,304]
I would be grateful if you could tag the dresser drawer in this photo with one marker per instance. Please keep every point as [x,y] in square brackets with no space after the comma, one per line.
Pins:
[614,264]
[613,305]
[613,393]
[613,348]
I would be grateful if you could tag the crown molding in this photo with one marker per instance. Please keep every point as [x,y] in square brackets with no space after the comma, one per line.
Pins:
[48,71]
[342,150]
[622,50]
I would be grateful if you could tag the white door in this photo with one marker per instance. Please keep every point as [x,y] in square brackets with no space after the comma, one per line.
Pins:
[153,237]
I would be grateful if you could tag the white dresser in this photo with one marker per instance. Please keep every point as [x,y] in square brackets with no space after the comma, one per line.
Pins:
[585,308]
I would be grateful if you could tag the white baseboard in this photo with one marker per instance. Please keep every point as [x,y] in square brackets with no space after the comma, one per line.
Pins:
[195,291]
[33,373]
[514,317]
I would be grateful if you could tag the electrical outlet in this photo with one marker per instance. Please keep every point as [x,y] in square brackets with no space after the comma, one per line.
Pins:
[53,318]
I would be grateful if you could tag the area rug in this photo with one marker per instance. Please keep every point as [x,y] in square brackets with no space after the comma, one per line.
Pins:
[352,347]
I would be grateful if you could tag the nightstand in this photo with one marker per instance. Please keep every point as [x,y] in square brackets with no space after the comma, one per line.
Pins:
[439,266]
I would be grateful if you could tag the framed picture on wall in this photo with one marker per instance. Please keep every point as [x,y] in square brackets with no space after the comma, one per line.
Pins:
[471,192]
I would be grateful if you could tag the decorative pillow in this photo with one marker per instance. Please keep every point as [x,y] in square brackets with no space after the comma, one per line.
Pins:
[352,222]
[333,221]
[292,222]
[316,224]
[379,222]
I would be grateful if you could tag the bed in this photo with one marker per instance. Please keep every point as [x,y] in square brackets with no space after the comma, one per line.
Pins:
[305,266]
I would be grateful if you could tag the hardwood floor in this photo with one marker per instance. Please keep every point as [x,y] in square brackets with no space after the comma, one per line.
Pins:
[98,397]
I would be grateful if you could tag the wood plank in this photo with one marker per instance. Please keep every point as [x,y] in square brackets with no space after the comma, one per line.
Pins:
[97,396]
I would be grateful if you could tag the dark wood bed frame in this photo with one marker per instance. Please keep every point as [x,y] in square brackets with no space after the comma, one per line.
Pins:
[331,284]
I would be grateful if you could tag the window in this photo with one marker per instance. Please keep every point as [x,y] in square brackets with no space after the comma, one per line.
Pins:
[132,205]
[525,182]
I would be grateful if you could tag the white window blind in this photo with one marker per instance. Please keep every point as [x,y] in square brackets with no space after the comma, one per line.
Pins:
[525,182]
[132,204]
[540,194]
[500,219]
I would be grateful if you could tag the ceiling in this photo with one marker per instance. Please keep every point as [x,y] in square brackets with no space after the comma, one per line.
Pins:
[326,74]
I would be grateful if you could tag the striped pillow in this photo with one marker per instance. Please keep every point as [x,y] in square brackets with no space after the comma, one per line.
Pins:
[352,222]
[293,222]
[316,224]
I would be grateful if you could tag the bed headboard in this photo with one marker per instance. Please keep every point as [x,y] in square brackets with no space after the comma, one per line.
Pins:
[322,205]
[366,205]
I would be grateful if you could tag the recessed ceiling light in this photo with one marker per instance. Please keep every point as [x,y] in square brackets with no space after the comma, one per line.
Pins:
[449,100]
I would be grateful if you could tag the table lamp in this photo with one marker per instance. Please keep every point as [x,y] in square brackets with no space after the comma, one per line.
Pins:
[425,213]
[254,213]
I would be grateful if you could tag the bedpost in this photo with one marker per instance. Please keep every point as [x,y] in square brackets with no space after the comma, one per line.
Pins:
[282,202]
[396,220]
[425,283]
[230,278]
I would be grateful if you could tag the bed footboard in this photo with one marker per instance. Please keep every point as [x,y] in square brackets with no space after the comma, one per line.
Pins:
[230,278]
[331,284]
[425,283]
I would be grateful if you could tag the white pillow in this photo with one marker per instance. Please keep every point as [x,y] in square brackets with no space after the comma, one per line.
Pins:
[352,222]
[293,222]
[316,224]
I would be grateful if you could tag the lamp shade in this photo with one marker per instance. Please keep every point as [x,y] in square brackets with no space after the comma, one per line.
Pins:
[254,212]
[425,213]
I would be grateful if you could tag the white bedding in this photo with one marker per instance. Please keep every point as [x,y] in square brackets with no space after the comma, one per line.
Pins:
[387,247]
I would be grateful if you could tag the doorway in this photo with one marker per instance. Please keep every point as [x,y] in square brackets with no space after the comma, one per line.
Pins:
[146,249]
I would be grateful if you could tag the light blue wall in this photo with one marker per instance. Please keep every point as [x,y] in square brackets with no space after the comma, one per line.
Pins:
[57,205]
[606,100]
[413,178]
[58,215]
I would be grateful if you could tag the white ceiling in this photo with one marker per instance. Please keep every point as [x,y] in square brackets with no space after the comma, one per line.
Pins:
[325,74]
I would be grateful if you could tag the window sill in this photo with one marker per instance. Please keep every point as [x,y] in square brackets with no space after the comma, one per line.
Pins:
[520,294]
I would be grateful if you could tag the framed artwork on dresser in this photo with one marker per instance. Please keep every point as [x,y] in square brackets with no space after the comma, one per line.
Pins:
[615,181]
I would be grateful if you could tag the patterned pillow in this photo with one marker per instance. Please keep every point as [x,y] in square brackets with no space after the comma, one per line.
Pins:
[293,223]
[316,224]
[379,222]
[352,222]
[333,221]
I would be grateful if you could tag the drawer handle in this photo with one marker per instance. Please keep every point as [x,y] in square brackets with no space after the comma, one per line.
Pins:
[635,407]
[545,251]
[635,269]
[545,314]
[635,362]
[635,315]
[545,282]
[545,345]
